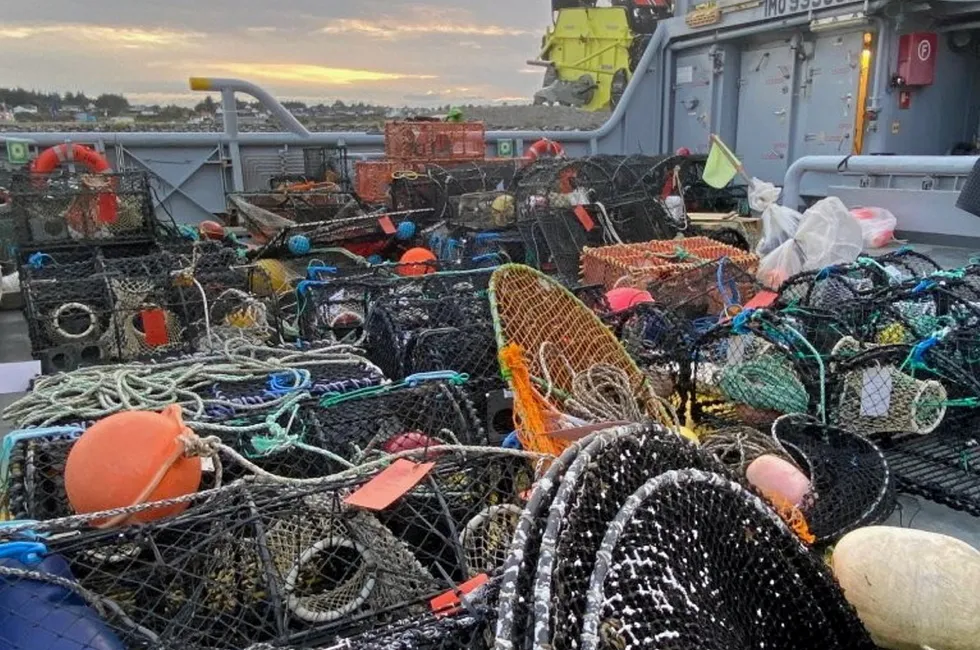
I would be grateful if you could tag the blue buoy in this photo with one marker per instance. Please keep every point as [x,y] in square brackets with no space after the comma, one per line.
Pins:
[299,244]
[375,259]
[406,230]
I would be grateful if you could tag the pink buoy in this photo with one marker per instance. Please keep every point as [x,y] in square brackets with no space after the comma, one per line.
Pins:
[778,479]
[623,298]
[409,441]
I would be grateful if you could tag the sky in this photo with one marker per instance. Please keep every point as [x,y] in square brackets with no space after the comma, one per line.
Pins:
[393,52]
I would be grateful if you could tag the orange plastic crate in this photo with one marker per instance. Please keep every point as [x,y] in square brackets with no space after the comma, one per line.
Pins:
[418,141]
[372,178]
[638,265]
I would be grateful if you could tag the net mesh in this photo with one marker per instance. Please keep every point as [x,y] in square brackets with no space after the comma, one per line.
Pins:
[851,484]
[731,575]
[254,564]
[66,208]
[578,365]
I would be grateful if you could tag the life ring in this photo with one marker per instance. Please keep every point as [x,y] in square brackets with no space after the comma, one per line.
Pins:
[544,147]
[53,157]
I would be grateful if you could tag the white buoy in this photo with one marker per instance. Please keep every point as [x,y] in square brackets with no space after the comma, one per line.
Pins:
[911,588]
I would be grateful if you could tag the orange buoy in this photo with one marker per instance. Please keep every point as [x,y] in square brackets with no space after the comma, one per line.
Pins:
[623,298]
[416,261]
[131,458]
[211,230]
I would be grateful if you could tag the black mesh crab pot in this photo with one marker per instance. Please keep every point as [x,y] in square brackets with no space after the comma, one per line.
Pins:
[754,369]
[395,323]
[620,461]
[393,418]
[693,560]
[70,322]
[921,403]
[249,564]
[65,209]
[851,484]
[439,187]
[563,206]
[336,310]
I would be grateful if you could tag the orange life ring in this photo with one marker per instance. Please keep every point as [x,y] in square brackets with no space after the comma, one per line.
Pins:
[543,147]
[53,157]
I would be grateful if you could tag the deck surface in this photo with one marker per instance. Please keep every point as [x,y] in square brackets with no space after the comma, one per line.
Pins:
[913,512]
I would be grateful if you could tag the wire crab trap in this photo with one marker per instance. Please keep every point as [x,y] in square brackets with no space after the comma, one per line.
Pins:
[68,264]
[470,350]
[67,209]
[440,188]
[701,197]
[244,565]
[420,412]
[336,310]
[395,323]
[467,629]
[303,202]
[851,484]
[32,477]
[717,289]
[694,560]
[70,322]
[621,460]
[32,472]
[754,369]
[565,206]
[561,360]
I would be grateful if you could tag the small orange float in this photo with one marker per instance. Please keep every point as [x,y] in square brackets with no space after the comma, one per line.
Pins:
[416,261]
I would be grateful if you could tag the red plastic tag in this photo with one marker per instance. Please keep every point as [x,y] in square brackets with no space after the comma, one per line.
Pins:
[447,603]
[390,485]
[761,300]
[387,225]
[668,187]
[584,218]
[155,327]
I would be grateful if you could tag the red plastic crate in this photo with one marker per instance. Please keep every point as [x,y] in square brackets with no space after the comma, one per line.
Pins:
[410,140]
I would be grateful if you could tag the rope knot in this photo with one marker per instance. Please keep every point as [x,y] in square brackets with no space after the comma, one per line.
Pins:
[196,446]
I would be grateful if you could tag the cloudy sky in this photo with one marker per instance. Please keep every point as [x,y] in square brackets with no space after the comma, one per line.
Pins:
[388,51]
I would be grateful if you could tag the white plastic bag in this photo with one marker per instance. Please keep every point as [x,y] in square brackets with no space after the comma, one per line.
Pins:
[829,235]
[779,223]
[877,224]
[780,265]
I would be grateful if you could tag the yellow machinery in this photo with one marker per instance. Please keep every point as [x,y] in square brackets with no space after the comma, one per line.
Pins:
[590,52]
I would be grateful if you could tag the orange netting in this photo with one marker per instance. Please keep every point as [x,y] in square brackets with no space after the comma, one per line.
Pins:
[564,361]
[793,517]
[639,264]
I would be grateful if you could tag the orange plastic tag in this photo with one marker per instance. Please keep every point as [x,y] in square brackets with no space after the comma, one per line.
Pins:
[155,327]
[387,225]
[390,485]
[447,603]
[584,218]
[761,300]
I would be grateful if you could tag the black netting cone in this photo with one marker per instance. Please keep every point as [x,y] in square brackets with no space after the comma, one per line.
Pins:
[851,485]
[615,466]
[693,560]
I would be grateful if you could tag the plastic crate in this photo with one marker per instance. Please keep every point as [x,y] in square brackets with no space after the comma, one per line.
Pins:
[426,141]
[640,264]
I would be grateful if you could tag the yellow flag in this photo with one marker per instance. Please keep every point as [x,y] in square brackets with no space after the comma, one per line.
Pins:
[721,166]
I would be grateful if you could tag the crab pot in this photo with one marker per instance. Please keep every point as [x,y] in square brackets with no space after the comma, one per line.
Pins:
[70,322]
[360,426]
[246,565]
[65,209]
[394,325]
[460,521]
